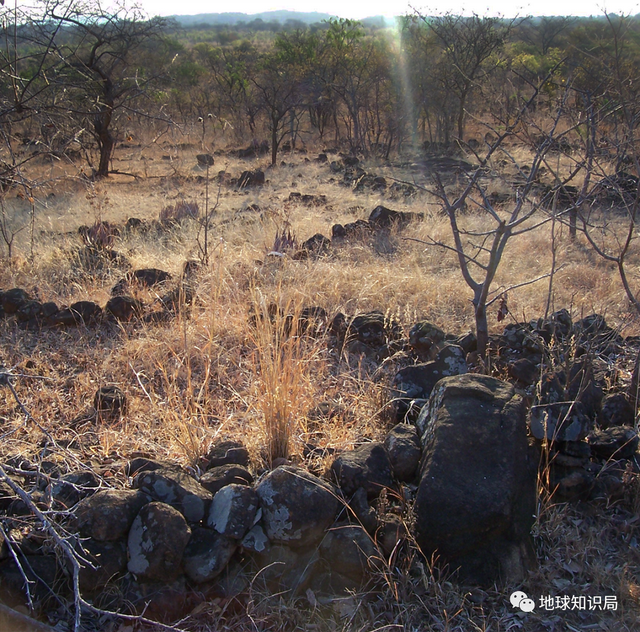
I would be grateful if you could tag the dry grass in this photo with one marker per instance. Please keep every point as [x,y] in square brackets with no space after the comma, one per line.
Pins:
[210,374]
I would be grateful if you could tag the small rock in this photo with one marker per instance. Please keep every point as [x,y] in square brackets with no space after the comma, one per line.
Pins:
[227,452]
[110,402]
[403,448]
[218,477]
[617,442]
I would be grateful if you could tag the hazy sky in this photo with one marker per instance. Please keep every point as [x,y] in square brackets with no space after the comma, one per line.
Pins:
[363,8]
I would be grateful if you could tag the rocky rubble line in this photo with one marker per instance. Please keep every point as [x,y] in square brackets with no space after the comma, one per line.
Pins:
[34,314]
[461,466]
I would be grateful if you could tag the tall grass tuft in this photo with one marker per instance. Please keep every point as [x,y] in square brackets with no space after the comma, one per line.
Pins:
[282,371]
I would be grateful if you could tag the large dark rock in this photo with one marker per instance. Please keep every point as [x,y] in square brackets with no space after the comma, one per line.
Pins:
[109,513]
[283,568]
[251,179]
[382,217]
[29,311]
[74,486]
[13,300]
[476,499]
[560,421]
[176,488]
[207,554]
[367,467]
[156,543]
[43,574]
[617,410]
[402,444]
[149,277]
[297,507]
[372,328]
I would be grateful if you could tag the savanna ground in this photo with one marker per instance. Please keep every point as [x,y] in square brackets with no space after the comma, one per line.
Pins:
[196,379]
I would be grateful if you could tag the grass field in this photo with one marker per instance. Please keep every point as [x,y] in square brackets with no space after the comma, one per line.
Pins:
[202,376]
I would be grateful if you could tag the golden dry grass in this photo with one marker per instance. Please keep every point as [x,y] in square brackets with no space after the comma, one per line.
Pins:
[208,374]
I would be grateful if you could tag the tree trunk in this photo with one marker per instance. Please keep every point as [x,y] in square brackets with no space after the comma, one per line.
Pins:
[573,223]
[106,141]
[482,329]
[274,141]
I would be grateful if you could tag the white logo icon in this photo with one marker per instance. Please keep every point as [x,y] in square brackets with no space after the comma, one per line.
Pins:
[520,600]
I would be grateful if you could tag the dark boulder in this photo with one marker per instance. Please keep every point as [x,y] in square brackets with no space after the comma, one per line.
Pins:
[233,511]
[123,308]
[205,160]
[29,311]
[80,313]
[350,551]
[297,507]
[227,453]
[425,338]
[207,554]
[12,300]
[105,562]
[317,245]
[616,410]
[415,382]
[384,218]
[368,467]
[476,499]
[251,179]
[560,421]
[69,489]
[149,277]
[109,513]
[156,543]
[176,488]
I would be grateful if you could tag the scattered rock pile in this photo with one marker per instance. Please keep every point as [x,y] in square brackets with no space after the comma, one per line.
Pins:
[34,314]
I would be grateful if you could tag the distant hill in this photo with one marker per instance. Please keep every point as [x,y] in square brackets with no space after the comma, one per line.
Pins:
[235,18]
